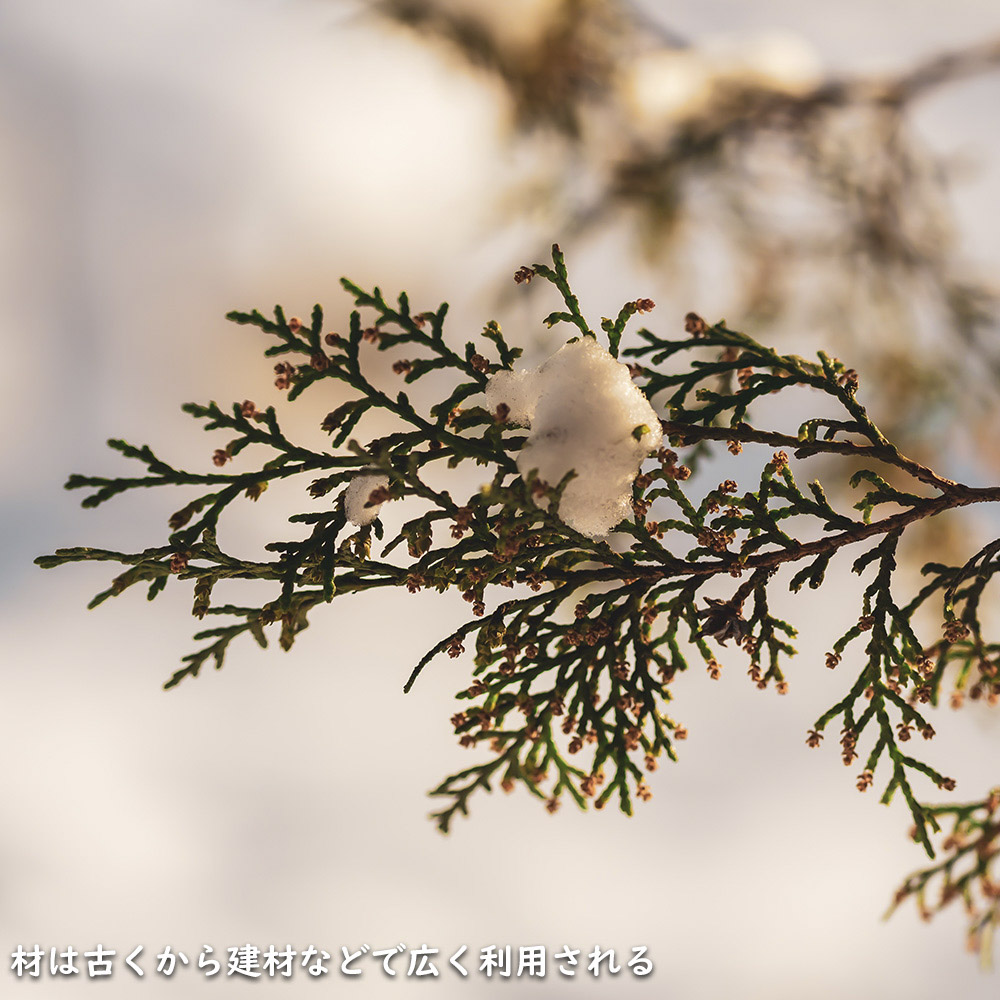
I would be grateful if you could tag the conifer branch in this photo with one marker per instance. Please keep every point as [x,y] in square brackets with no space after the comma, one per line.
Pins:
[570,688]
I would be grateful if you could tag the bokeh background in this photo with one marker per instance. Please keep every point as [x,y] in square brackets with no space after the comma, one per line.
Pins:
[163,162]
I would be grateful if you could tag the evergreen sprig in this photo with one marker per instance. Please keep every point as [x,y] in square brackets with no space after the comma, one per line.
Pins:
[966,871]
[570,690]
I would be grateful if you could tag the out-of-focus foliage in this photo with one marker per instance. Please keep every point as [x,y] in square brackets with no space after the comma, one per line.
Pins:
[811,197]
[966,872]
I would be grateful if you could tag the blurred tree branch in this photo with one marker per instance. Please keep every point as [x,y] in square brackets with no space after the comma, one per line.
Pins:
[801,181]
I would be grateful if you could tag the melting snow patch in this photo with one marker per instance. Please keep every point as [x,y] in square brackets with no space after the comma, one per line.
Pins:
[583,409]
[356,498]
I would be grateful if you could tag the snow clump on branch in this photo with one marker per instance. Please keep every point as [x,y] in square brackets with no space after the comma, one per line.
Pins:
[358,507]
[586,415]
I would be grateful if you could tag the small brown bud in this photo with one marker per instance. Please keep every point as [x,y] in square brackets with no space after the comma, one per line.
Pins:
[850,381]
[954,630]
[695,325]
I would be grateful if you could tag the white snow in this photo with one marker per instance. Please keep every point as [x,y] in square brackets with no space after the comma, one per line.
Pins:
[356,498]
[517,391]
[582,408]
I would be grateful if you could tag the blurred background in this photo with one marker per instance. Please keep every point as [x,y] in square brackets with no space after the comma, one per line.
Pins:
[818,176]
